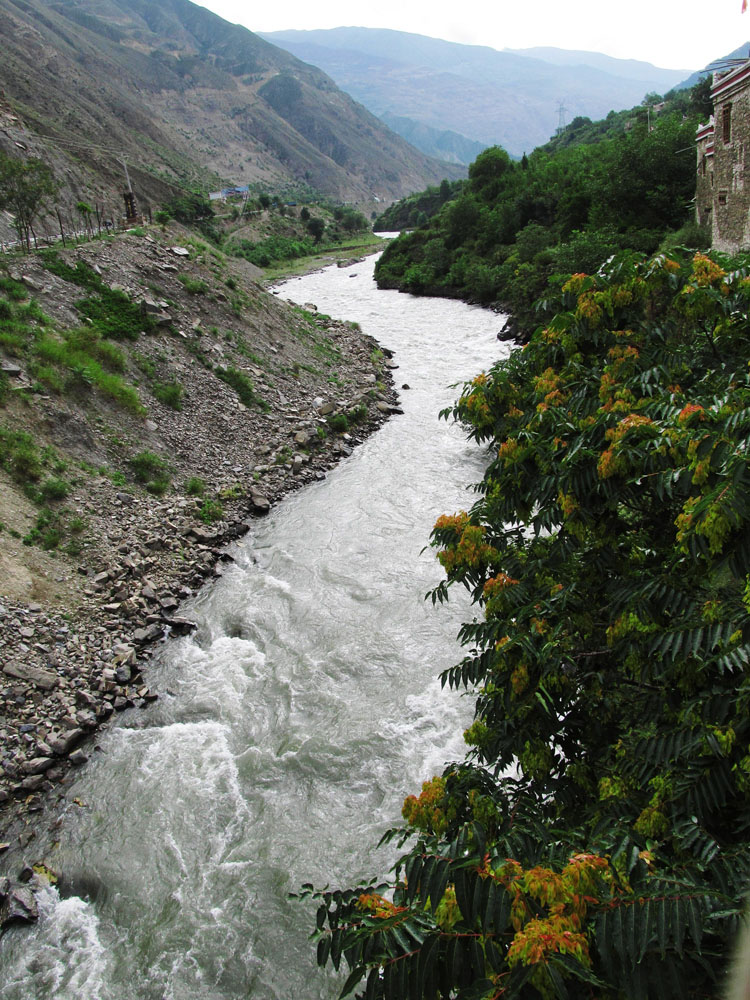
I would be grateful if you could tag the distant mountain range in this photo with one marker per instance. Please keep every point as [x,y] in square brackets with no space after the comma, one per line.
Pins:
[426,88]
[183,96]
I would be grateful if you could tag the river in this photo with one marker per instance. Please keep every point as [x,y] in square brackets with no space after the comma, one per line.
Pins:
[292,723]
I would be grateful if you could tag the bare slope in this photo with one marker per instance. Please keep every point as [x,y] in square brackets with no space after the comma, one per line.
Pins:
[182,93]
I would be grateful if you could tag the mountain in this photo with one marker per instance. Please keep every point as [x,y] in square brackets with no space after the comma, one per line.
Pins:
[508,98]
[644,73]
[182,95]
[740,53]
[442,143]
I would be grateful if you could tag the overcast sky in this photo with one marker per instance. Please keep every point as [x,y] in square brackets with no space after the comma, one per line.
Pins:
[679,34]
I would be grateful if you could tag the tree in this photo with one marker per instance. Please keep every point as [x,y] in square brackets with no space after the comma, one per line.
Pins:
[595,842]
[85,211]
[26,187]
[316,228]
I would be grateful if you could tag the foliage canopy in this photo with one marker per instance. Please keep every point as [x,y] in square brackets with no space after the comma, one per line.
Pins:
[595,841]
[622,183]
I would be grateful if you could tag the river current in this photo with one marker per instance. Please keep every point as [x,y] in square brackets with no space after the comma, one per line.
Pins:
[292,723]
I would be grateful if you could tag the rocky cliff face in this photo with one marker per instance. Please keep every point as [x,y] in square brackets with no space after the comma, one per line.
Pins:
[184,96]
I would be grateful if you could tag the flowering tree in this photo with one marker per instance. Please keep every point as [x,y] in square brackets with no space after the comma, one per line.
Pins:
[595,841]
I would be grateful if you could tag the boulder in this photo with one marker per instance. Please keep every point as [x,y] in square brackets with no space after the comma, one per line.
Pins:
[33,675]
[18,906]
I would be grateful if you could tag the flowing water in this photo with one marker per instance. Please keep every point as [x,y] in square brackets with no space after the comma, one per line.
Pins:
[290,725]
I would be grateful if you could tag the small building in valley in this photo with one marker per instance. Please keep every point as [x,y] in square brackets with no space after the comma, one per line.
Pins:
[722,199]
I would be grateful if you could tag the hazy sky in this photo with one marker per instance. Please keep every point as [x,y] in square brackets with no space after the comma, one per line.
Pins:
[679,34]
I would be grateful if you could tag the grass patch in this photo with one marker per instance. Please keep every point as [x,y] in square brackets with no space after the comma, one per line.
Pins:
[113,314]
[242,386]
[12,289]
[210,511]
[152,471]
[195,286]
[169,393]
[195,487]
[88,362]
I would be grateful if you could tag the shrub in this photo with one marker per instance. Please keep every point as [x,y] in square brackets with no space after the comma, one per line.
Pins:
[54,488]
[338,422]
[195,487]
[169,393]
[210,511]
[151,470]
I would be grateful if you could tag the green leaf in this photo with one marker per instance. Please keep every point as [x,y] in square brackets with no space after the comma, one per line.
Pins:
[352,980]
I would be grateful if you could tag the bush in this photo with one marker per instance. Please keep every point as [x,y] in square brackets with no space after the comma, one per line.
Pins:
[338,423]
[210,511]
[195,487]
[595,840]
[54,489]
[151,470]
[169,393]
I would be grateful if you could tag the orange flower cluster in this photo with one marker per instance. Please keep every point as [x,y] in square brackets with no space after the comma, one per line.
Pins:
[567,896]
[378,906]
[610,461]
[574,283]
[688,412]
[428,811]
[496,584]
[471,552]
[705,271]
[509,451]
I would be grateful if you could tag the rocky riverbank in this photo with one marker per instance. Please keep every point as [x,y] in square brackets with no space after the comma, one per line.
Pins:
[78,622]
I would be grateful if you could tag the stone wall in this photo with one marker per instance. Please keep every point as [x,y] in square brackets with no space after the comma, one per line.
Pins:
[722,198]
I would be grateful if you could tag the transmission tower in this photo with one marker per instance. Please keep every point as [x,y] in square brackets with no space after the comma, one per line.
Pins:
[561,112]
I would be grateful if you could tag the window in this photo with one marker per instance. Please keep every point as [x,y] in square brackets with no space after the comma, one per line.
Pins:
[726,123]
[722,197]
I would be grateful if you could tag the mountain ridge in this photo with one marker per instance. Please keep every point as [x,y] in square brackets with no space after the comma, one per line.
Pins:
[187,97]
[484,94]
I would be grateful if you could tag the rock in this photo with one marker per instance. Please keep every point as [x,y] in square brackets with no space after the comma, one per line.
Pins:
[123,674]
[259,503]
[64,743]
[143,636]
[77,758]
[325,408]
[34,675]
[18,906]
[32,783]
[201,535]
[38,765]
[180,251]
[180,626]
[11,370]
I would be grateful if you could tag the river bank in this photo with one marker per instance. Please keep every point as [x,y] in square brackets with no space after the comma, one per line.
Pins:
[77,630]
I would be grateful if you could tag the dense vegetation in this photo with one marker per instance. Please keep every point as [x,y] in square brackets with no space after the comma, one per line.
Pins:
[595,841]
[416,209]
[625,182]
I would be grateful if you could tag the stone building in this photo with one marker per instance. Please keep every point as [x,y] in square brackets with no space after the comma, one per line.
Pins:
[722,200]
